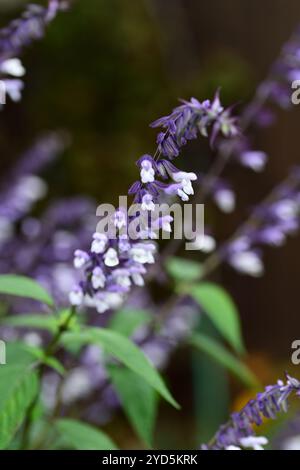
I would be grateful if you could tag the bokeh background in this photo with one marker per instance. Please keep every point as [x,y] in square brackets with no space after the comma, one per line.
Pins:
[104,71]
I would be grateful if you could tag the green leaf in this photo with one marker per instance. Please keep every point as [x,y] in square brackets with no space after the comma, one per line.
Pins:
[185,270]
[127,352]
[18,389]
[209,377]
[34,320]
[217,352]
[22,286]
[83,436]
[128,321]
[221,310]
[55,364]
[39,354]
[139,401]
[18,353]
[211,407]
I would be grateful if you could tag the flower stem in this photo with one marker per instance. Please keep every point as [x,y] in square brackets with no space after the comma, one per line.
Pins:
[49,351]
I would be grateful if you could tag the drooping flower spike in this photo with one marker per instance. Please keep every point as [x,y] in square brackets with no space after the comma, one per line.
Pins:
[239,433]
[19,34]
[285,70]
[113,264]
[41,247]
[23,186]
[189,120]
[270,224]
[28,28]
[275,89]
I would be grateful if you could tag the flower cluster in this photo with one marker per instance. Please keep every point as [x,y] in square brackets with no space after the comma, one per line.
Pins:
[18,34]
[238,433]
[46,245]
[41,246]
[270,224]
[191,118]
[22,187]
[285,70]
[113,264]
[276,88]
[279,217]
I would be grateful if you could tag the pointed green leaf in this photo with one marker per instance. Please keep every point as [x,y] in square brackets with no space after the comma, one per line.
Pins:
[125,351]
[139,401]
[54,364]
[127,321]
[83,436]
[34,320]
[221,310]
[217,352]
[185,270]
[18,388]
[19,353]
[22,286]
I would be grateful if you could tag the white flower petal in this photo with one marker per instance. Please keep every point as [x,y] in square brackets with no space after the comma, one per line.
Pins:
[13,67]
[111,258]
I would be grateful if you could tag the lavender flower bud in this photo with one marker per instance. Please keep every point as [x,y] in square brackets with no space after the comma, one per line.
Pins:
[224,198]
[247,262]
[254,159]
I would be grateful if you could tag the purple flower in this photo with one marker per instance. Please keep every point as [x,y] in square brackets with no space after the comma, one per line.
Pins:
[147,169]
[270,224]
[247,262]
[29,27]
[239,431]
[189,120]
[80,259]
[221,193]
[254,159]
[272,236]
[18,34]
[224,198]
[122,260]
[22,187]
[41,248]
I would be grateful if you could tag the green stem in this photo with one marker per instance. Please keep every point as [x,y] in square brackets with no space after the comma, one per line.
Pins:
[49,351]
[51,348]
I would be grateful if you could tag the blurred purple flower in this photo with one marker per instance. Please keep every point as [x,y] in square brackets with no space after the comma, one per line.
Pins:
[19,34]
[271,223]
[22,187]
[28,28]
